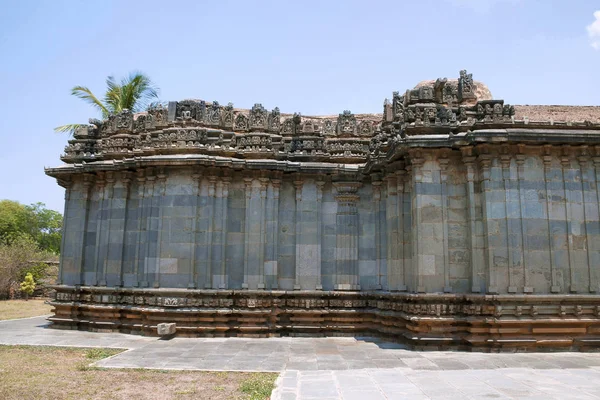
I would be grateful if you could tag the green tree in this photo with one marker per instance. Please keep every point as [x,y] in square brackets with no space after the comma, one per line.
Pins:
[28,286]
[45,227]
[135,92]
[35,221]
[14,218]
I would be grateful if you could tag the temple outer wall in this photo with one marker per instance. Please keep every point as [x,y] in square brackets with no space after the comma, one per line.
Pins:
[493,219]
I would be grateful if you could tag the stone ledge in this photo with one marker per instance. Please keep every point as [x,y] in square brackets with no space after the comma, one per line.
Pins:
[423,321]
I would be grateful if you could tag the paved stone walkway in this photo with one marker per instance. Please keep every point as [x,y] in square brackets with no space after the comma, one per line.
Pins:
[342,368]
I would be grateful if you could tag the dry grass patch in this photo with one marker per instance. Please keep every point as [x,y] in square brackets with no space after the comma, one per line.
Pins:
[13,309]
[30,372]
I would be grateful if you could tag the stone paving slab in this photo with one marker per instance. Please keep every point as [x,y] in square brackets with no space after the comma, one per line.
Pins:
[341,368]
[405,383]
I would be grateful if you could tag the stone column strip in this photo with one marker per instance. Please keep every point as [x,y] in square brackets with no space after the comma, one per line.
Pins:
[401,255]
[148,202]
[264,184]
[565,163]
[67,184]
[443,161]
[417,161]
[210,205]
[248,185]
[298,184]
[197,179]
[275,183]
[507,179]
[88,181]
[126,180]
[161,189]
[320,183]
[226,180]
[469,161]
[409,262]
[596,183]
[391,208]
[100,185]
[376,185]
[584,162]
[108,210]
[485,162]
[520,160]
[547,158]
[141,181]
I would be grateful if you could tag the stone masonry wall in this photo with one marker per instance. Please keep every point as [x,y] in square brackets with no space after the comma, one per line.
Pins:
[485,219]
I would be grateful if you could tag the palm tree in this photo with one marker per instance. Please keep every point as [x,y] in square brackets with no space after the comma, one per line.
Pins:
[135,92]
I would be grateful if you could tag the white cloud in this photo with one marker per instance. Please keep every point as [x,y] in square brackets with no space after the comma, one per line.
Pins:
[594,31]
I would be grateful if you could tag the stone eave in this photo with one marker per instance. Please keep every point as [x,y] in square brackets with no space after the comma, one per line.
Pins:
[189,160]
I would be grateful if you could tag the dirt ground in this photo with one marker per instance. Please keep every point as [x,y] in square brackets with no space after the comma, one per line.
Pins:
[11,309]
[32,372]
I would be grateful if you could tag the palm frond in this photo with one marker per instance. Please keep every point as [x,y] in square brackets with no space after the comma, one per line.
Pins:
[112,98]
[138,91]
[86,95]
[69,128]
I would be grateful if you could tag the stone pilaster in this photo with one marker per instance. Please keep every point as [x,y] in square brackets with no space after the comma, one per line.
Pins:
[120,258]
[147,225]
[407,238]
[507,178]
[101,192]
[79,261]
[197,180]
[107,216]
[391,226]
[248,193]
[67,184]
[423,266]
[485,164]
[547,159]
[586,183]
[520,160]
[320,183]
[264,184]
[141,226]
[476,258]
[298,185]
[443,162]
[595,244]
[347,235]
[275,184]
[210,214]
[226,181]
[565,162]
[159,194]
[401,232]
[376,185]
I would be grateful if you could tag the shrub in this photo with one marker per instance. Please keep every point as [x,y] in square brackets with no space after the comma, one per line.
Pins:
[28,286]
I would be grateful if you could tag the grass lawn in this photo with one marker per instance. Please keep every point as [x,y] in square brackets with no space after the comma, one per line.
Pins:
[11,309]
[32,372]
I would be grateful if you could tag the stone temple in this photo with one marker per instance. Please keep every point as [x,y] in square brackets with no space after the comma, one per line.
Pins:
[452,220]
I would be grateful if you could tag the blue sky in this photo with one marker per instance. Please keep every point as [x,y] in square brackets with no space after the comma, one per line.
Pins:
[315,57]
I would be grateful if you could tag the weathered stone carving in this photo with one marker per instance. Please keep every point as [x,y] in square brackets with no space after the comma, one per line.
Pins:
[465,86]
[241,123]
[275,120]
[346,124]
[228,116]
[258,117]
[214,114]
